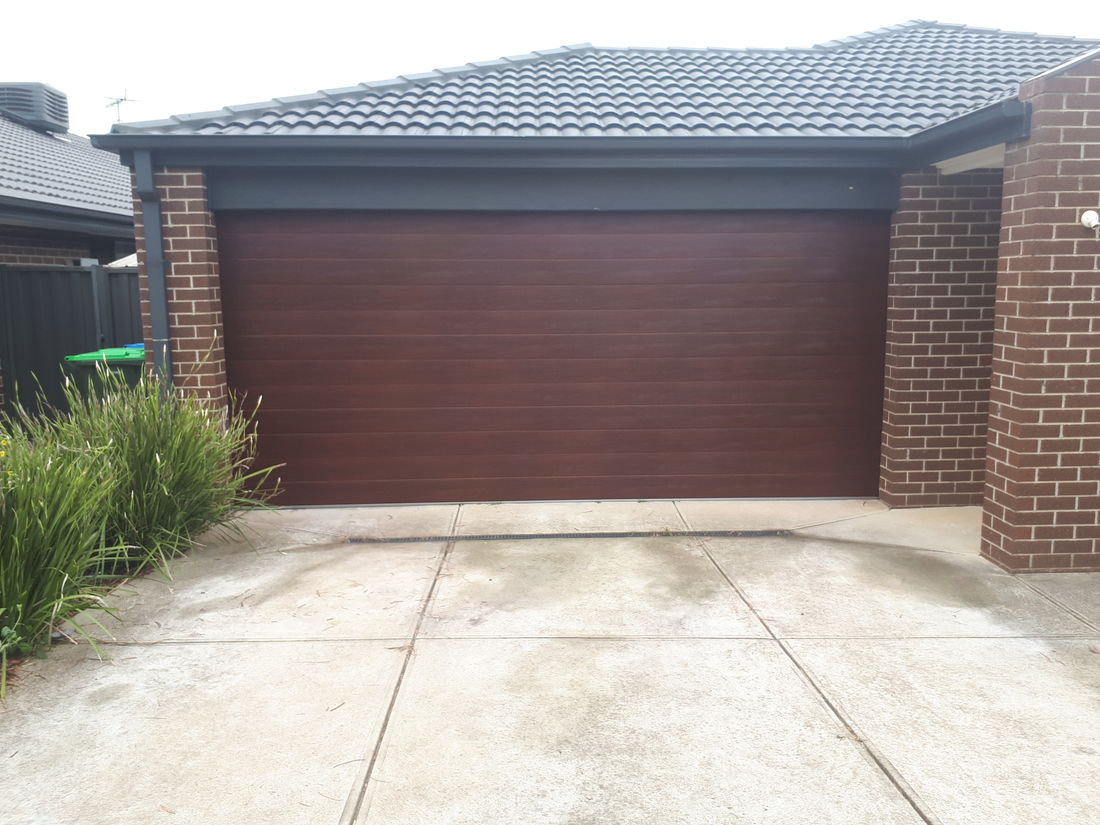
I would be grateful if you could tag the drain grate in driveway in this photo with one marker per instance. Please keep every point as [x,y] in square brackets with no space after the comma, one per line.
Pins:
[623,534]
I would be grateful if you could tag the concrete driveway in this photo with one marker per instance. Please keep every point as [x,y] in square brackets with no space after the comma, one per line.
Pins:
[867,668]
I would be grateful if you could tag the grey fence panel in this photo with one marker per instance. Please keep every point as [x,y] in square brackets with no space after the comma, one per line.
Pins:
[47,313]
[123,321]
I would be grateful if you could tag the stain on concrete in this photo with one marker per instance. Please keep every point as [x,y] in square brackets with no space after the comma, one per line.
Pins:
[106,694]
[811,586]
[951,581]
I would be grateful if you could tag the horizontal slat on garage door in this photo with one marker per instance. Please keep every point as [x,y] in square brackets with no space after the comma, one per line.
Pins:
[442,357]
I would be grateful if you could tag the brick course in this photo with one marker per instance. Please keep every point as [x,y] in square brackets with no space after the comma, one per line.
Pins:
[1042,501]
[939,338]
[193,283]
[41,247]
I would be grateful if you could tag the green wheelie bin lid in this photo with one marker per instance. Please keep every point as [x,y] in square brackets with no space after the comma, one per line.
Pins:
[110,355]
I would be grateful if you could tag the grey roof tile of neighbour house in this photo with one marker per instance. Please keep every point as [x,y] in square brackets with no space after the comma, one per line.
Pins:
[890,82]
[61,170]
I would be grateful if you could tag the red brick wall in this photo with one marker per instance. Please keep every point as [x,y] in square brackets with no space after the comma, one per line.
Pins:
[939,338]
[39,246]
[194,292]
[1042,504]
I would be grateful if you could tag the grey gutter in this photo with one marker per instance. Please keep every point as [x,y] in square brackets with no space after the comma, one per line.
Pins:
[145,187]
[117,141]
[16,212]
[122,216]
[424,151]
[999,122]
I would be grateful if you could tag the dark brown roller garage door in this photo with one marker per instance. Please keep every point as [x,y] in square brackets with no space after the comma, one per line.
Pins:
[454,357]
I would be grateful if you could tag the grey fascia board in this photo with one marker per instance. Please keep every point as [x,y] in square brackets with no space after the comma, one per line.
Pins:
[441,160]
[528,145]
[15,212]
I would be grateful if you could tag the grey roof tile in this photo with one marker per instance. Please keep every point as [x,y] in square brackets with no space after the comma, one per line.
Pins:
[61,170]
[892,81]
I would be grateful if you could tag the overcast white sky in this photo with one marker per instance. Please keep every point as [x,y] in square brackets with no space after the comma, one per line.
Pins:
[176,56]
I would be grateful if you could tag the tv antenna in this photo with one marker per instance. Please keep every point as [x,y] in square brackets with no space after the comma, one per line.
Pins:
[117,103]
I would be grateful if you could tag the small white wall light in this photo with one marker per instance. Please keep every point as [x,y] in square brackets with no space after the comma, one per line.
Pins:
[1091,220]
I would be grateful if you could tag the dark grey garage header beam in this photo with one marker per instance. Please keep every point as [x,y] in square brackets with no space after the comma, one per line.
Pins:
[542,190]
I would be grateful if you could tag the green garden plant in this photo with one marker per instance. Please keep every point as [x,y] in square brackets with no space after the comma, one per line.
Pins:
[53,546]
[180,465]
[124,477]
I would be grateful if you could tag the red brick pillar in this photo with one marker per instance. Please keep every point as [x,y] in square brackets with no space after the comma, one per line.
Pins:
[1042,502]
[939,338]
[194,291]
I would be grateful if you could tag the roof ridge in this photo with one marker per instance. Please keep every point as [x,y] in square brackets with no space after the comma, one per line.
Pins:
[405,81]
[875,34]
[887,31]
[238,113]
[18,120]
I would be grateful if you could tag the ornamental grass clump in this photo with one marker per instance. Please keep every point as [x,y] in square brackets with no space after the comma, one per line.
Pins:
[54,553]
[124,477]
[179,465]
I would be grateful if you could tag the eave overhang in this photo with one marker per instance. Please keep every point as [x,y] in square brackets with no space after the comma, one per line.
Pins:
[38,215]
[1002,121]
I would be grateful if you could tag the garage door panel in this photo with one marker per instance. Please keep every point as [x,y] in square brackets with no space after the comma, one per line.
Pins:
[497,419]
[733,485]
[293,322]
[513,246]
[780,267]
[298,446]
[267,373]
[777,224]
[622,345]
[447,357]
[622,296]
[466,394]
[521,466]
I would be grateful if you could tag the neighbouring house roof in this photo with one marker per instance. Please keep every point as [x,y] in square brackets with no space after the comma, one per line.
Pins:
[47,170]
[892,82]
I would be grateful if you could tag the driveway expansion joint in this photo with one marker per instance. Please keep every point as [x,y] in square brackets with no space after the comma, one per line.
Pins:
[608,534]
[891,773]
[354,805]
[1081,617]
